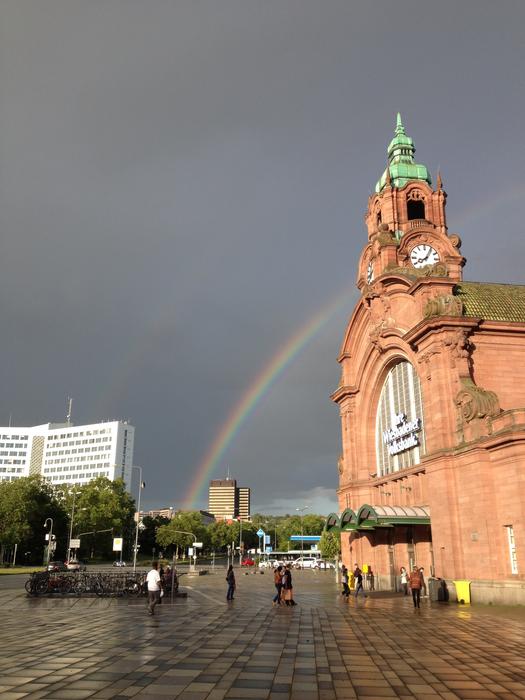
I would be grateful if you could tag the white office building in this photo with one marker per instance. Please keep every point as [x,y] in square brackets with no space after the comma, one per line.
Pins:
[67,453]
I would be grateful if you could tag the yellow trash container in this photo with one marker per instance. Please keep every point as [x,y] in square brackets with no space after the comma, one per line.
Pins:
[463,591]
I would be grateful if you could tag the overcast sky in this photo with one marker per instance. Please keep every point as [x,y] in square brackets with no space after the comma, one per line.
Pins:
[182,188]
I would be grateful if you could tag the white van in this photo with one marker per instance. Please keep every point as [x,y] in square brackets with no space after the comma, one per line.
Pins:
[305,563]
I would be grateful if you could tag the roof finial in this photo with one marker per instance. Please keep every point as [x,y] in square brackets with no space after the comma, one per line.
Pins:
[400,129]
[439,181]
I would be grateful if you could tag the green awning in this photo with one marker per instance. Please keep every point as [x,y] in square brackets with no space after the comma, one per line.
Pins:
[372,517]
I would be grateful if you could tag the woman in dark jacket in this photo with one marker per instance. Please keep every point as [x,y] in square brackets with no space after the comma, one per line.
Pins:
[288,586]
[230,577]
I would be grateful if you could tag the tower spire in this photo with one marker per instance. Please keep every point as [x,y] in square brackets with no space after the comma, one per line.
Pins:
[400,129]
[402,166]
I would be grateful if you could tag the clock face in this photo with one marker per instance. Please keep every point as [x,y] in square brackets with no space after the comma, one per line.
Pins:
[423,255]
[369,273]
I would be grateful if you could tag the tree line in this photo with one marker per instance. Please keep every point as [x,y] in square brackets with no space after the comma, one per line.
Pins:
[102,509]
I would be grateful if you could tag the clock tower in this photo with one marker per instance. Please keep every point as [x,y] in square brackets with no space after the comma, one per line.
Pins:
[431,400]
[406,222]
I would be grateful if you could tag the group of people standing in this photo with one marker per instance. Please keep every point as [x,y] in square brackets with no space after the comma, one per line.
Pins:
[415,580]
[358,581]
[282,579]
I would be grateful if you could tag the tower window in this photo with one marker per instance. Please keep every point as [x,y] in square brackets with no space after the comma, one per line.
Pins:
[415,209]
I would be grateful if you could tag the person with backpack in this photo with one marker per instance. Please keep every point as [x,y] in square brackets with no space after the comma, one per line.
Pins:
[358,577]
[278,583]
[415,581]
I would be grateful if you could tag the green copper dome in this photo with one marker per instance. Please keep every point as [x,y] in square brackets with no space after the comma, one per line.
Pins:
[401,161]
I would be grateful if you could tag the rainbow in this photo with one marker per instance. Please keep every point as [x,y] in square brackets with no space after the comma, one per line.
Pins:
[255,392]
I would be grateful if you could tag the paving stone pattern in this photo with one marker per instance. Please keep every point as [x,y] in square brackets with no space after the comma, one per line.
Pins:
[202,647]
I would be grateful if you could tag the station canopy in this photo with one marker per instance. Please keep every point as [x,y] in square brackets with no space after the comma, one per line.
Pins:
[372,517]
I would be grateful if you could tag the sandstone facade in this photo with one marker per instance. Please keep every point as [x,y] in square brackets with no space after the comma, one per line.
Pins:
[432,400]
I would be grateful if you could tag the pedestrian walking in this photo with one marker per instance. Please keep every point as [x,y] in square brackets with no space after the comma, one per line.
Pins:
[288,587]
[154,584]
[230,578]
[344,581]
[371,578]
[278,583]
[415,586]
[403,578]
[358,578]
[423,582]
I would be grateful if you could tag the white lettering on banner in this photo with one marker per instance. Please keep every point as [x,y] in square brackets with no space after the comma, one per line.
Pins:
[402,435]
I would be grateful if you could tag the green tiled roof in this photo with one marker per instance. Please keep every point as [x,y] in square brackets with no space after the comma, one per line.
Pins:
[494,302]
[401,163]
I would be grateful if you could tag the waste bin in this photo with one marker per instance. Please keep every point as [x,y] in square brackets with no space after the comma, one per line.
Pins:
[463,591]
[433,588]
[443,594]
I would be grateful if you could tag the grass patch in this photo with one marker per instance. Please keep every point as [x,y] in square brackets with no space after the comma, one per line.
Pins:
[19,570]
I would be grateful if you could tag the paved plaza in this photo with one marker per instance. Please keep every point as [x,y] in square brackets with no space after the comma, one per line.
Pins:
[201,647]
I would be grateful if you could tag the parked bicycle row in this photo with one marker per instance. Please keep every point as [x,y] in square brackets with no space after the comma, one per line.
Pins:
[92,583]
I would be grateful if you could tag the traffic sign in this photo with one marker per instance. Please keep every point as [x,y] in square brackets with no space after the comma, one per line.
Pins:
[197,544]
[74,543]
[260,533]
[117,544]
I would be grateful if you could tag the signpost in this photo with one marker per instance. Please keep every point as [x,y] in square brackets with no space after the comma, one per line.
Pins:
[117,545]
[260,534]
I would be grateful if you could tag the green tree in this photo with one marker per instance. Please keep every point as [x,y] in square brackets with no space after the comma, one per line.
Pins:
[170,535]
[100,505]
[24,506]
[330,545]
[148,534]
[222,533]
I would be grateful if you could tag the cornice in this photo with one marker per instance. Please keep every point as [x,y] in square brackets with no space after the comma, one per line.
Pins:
[343,392]
[438,323]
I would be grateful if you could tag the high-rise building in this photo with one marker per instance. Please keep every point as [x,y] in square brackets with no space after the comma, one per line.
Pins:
[227,501]
[67,453]
[244,502]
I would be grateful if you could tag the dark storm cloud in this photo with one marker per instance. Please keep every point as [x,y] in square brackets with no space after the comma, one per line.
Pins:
[182,187]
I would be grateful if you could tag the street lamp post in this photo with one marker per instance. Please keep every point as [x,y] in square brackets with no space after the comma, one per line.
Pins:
[301,511]
[141,486]
[50,537]
[240,541]
[71,527]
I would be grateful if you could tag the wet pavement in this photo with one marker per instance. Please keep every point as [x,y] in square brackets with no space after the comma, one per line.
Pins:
[201,647]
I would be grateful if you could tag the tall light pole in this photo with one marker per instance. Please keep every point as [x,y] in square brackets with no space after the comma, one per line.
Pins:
[71,527]
[141,486]
[50,537]
[301,511]
[240,541]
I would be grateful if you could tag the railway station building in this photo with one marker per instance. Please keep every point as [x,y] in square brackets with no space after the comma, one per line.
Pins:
[431,400]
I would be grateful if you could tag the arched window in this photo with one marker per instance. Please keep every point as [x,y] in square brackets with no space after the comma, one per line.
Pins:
[415,205]
[415,209]
[400,432]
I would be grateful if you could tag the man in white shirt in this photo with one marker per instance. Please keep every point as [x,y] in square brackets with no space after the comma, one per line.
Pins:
[154,585]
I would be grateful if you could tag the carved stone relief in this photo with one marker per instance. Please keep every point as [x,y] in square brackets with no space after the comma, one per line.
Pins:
[474,402]
[444,305]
